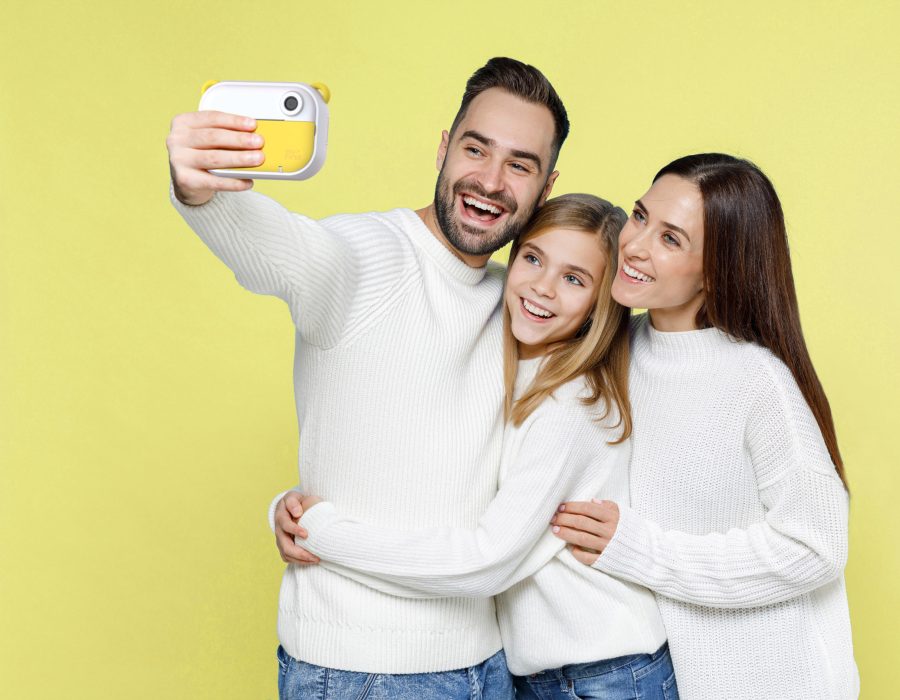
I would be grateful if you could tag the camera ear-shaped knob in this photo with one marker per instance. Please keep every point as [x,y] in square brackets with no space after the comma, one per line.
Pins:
[323,90]
[207,85]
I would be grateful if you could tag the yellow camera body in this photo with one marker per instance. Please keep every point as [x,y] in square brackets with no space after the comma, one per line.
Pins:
[291,117]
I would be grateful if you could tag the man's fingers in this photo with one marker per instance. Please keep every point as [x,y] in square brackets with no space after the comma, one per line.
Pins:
[200,180]
[220,138]
[208,160]
[209,118]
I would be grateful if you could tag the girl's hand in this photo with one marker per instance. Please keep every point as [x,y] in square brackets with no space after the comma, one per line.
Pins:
[308,502]
[287,513]
[587,527]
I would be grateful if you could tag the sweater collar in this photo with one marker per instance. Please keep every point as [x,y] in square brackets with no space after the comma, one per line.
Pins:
[680,345]
[526,371]
[438,252]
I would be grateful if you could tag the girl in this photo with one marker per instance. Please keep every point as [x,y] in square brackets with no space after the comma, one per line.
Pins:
[566,629]
[739,507]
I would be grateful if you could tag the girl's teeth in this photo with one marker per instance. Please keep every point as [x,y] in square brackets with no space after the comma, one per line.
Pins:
[531,308]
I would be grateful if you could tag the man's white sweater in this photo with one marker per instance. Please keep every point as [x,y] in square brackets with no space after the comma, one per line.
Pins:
[553,611]
[738,522]
[398,386]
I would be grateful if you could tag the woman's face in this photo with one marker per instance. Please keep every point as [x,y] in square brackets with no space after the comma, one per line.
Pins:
[551,288]
[661,255]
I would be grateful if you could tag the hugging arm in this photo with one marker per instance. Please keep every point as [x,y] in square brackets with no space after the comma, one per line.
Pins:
[800,545]
[510,542]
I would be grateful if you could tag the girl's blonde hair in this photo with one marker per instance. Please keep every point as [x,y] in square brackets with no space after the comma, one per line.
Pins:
[600,350]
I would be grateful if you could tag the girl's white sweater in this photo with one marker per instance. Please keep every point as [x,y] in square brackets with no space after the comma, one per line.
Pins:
[554,611]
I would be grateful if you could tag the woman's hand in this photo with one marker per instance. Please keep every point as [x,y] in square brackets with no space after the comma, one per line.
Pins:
[287,513]
[587,527]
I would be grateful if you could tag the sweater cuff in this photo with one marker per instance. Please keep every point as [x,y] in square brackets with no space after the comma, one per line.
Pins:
[217,203]
[273,506]
[315,520]
[628,552]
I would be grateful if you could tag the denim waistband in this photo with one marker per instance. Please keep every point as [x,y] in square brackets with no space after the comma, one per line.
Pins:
[595,668]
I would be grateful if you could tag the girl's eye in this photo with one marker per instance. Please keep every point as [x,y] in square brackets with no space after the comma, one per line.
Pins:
[528,257]
[671,240]
[572,279]
[639,216]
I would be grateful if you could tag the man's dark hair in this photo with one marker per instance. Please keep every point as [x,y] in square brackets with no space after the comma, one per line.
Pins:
[525,82]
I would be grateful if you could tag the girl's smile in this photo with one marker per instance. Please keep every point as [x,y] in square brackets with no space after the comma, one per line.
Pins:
[552,288]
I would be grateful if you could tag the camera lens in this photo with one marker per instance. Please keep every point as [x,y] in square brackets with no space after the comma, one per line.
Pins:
[291,103]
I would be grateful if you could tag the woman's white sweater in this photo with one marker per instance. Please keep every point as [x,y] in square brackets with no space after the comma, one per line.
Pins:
[554,610]
[738,522]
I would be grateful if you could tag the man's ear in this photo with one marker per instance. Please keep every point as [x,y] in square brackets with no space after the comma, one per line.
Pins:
[548,187]
[442,149]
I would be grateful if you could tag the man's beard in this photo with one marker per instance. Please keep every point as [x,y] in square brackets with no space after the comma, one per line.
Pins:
[468,239]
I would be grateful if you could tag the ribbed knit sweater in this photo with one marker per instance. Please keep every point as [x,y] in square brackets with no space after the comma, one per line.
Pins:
[738,521]
[556,611]
[398,386]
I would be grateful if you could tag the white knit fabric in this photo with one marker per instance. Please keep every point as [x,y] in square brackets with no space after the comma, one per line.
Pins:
[739,522]
[398,385]
[563,612]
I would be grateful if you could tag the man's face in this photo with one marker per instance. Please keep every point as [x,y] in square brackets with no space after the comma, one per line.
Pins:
[494,172]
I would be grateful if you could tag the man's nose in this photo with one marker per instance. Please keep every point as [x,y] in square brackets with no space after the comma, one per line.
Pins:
[491,175]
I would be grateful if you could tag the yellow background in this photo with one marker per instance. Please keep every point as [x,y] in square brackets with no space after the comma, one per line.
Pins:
[147,411]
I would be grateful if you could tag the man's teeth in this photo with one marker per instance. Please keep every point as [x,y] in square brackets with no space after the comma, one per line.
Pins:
[537,311]
[634,274]
[472,202]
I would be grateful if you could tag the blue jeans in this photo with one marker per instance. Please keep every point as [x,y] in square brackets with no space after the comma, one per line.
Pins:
[489,680]
[637,677]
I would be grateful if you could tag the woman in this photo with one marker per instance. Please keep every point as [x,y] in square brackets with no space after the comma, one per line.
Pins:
[739,507]
[566,364]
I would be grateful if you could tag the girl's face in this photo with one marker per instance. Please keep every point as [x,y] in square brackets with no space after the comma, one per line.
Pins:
[551,288]
[661,255]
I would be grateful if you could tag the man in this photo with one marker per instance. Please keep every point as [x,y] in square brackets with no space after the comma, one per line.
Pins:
[398,371]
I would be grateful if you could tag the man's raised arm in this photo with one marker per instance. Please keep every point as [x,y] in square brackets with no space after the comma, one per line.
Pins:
[313,266]
[201,141]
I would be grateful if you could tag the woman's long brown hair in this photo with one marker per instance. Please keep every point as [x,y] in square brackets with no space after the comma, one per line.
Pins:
[747,271]
[600,351]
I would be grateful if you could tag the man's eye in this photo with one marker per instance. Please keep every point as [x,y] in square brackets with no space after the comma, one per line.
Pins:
[474,151]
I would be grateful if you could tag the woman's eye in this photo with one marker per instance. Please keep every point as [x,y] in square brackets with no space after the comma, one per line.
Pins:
[572,279]
[638,216]
[528,257]
[671,240]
